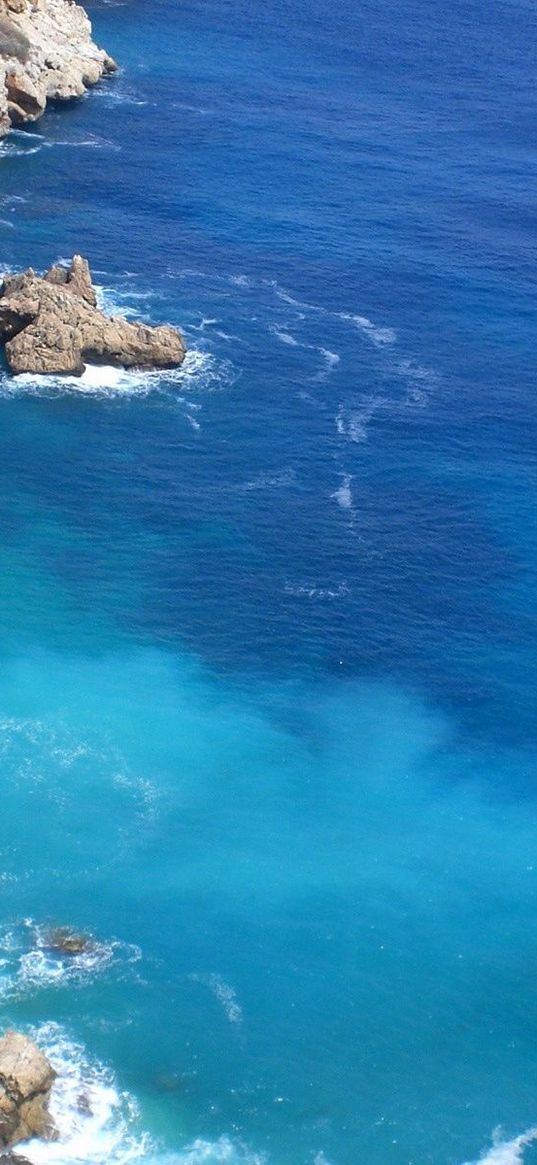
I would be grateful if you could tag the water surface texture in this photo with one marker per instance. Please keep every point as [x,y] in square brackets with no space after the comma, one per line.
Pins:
[268,623]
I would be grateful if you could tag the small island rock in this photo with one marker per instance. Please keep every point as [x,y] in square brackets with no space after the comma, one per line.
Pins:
[68,942]
[51,324]
[26,1078]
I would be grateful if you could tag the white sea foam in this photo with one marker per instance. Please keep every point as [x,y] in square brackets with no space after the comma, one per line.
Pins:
[223,993]
[89,143]
[199,371]
[115,96]
[330,362]
[227,997]
[114,302]
[506,1152]
[343,495]
[96,1121]
[100,1124]
[8,150]
[353,422]
[379,336]
[28,964]
[221,1152]
[240,280]
[279,480]
[283,336]
[310,590]
[205,322]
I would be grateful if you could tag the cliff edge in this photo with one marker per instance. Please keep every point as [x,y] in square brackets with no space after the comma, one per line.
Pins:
[46,53]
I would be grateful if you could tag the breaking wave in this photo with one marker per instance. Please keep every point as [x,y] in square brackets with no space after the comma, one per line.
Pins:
[200,371]
[28,964]
[96,1121]
[506,1152]
[100,1123]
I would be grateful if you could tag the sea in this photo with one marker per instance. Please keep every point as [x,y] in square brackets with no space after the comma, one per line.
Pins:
[268,623]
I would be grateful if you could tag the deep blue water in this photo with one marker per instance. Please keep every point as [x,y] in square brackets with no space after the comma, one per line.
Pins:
[268,653]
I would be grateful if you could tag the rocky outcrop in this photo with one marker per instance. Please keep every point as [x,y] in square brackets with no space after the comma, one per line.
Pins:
[46,53]
[65,941]
[51,323]
[26,1078]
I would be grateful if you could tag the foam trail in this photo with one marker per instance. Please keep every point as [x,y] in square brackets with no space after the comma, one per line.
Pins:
[343,495]
[221,1152]
[330,361]
[378,336]
[224,993]
[283,336]
[506,1152]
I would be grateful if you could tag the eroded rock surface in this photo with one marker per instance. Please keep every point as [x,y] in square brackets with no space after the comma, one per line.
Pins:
[46,53]
[51,324]
[26,1078]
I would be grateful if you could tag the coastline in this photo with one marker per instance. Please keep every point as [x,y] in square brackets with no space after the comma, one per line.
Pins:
[46,54]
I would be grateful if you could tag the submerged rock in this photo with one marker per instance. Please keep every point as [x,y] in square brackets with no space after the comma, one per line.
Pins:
[46,53]
[69,942]
[51,324]
[26,1078]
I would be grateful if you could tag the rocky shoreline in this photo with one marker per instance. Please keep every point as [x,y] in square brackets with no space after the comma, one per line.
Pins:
[52,324]
[26,1079]
[46,54]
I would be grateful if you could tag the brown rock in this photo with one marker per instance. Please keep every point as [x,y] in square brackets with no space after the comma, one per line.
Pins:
[26,1078]
[52,324]
[46,53]
[21,92]
[68,942]
[76,278]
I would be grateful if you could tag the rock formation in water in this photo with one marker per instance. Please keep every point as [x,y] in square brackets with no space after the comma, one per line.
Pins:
[65,941]
[46,53]
[51,323]
[26,1078]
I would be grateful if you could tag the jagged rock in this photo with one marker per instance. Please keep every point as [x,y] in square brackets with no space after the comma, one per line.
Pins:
[46,53]
[76,278]
[51,323]
[26,1078]
[24,102]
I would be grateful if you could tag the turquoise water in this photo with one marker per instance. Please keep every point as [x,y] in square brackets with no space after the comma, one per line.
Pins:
[267,674]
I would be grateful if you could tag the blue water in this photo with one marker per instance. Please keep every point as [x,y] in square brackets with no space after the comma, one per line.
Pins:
[267,694]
